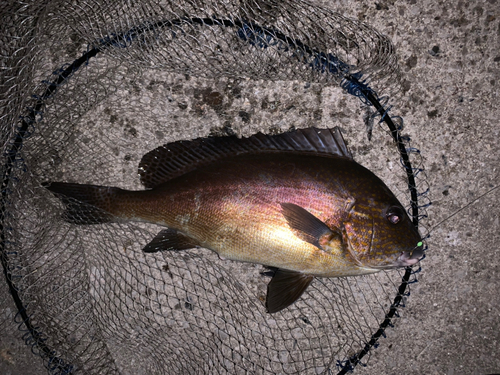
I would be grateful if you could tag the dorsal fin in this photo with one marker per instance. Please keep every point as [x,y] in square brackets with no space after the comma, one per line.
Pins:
[175,159]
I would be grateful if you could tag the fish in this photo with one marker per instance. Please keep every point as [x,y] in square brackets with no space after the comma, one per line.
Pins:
[296,202]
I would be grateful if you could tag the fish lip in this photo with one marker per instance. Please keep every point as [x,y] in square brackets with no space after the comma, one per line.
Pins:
[404,260]
[407,260]
[397,264]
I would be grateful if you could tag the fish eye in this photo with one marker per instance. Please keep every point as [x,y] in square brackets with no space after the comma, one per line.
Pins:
[394,214]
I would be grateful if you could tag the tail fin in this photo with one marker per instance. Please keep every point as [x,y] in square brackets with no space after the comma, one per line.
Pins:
[85,204]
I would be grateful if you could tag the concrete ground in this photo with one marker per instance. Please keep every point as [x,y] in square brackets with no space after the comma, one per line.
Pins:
[450,56]
[449,52]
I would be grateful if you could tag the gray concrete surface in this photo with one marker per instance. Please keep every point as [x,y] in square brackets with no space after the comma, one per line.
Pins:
[449,52]
[450,57]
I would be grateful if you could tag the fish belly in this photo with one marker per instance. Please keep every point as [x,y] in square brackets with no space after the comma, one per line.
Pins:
[247,228]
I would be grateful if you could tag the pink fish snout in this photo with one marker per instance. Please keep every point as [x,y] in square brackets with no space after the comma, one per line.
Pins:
[409,258]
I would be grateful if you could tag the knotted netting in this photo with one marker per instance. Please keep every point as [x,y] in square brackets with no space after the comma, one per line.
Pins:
[88,87]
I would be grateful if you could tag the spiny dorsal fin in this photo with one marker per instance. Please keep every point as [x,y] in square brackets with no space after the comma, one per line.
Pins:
[175,159]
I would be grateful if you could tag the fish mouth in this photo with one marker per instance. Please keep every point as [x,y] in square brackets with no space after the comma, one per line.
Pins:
[406,259]
[410,258]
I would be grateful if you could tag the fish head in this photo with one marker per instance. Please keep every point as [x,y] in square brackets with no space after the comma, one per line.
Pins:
[380,235]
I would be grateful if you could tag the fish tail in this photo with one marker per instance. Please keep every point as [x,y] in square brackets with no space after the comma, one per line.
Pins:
[86,204]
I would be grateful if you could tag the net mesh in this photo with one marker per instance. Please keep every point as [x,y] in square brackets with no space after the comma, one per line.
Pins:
[88,88]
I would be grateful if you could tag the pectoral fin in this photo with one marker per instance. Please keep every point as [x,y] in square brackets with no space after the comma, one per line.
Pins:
[309,228]
[285,288]
[170,239]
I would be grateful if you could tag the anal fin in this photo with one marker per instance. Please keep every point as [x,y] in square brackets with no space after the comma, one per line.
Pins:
[170,239]
[285,288]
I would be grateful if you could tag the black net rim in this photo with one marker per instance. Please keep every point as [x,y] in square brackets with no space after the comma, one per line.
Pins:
[351,83]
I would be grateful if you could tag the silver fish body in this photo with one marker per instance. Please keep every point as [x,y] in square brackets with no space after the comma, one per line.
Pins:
[296,202]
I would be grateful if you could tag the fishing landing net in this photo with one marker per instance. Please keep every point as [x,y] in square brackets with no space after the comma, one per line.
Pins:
[89,87]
